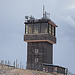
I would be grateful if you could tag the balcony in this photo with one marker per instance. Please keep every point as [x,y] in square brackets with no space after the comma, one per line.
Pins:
[40,37]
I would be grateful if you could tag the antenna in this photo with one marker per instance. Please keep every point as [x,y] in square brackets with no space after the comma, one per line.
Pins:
[45,14]
[43,10]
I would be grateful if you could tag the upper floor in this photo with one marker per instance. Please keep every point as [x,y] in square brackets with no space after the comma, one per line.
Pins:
[40,26]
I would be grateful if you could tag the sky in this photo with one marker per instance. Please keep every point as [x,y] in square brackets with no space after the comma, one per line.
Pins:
[12,29]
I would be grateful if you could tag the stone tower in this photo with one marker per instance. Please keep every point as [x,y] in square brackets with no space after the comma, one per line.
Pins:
[40,37]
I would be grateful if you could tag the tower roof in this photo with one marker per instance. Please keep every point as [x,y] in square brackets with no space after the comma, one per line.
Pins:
[40,21]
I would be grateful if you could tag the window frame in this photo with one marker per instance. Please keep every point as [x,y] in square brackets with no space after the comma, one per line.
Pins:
[36,51]
[46,24]
[26,29]
[41,28]
[52,30]
[36,60]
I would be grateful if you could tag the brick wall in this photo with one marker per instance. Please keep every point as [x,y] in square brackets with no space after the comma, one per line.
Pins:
[45,54]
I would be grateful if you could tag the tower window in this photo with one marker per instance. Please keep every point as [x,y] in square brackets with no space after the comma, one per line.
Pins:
[36,28]
[30,29]
[44,27]
[26,29]
[43,69]
[50,29]
[46,69]
[36,51]
[36,60]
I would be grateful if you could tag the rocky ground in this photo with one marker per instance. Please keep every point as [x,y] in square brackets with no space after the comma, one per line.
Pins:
[14,71]
[21,72]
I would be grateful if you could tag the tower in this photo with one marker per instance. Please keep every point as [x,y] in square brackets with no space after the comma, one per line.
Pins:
[40,37]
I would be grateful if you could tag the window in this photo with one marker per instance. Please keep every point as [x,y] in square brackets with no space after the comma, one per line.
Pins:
[36,60]
[36,51]
[26,29]
[46,69]
[55,69]
[44,27]
[53,31]
[36,28]
[29,29]
[43,69]
[50,29]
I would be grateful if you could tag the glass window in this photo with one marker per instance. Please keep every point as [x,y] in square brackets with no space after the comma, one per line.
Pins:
[36,28]
[36,51]
[36,60]
[46,69]
[30,28]
[44,27]
[26,29]
[43,69]
[56,69]
[50,29]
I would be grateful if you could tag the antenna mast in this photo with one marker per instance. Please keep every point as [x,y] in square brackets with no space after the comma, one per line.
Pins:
[43,10]
[45,14]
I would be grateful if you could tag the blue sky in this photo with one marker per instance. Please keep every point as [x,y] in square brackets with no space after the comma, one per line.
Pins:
[12,13]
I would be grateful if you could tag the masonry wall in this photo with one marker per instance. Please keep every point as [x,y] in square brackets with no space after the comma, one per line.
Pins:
[45,54]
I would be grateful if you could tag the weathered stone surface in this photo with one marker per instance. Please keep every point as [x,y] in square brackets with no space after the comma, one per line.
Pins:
[4,71]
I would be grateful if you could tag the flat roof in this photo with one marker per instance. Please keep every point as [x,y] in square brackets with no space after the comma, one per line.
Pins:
[46,64]
[40,21]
